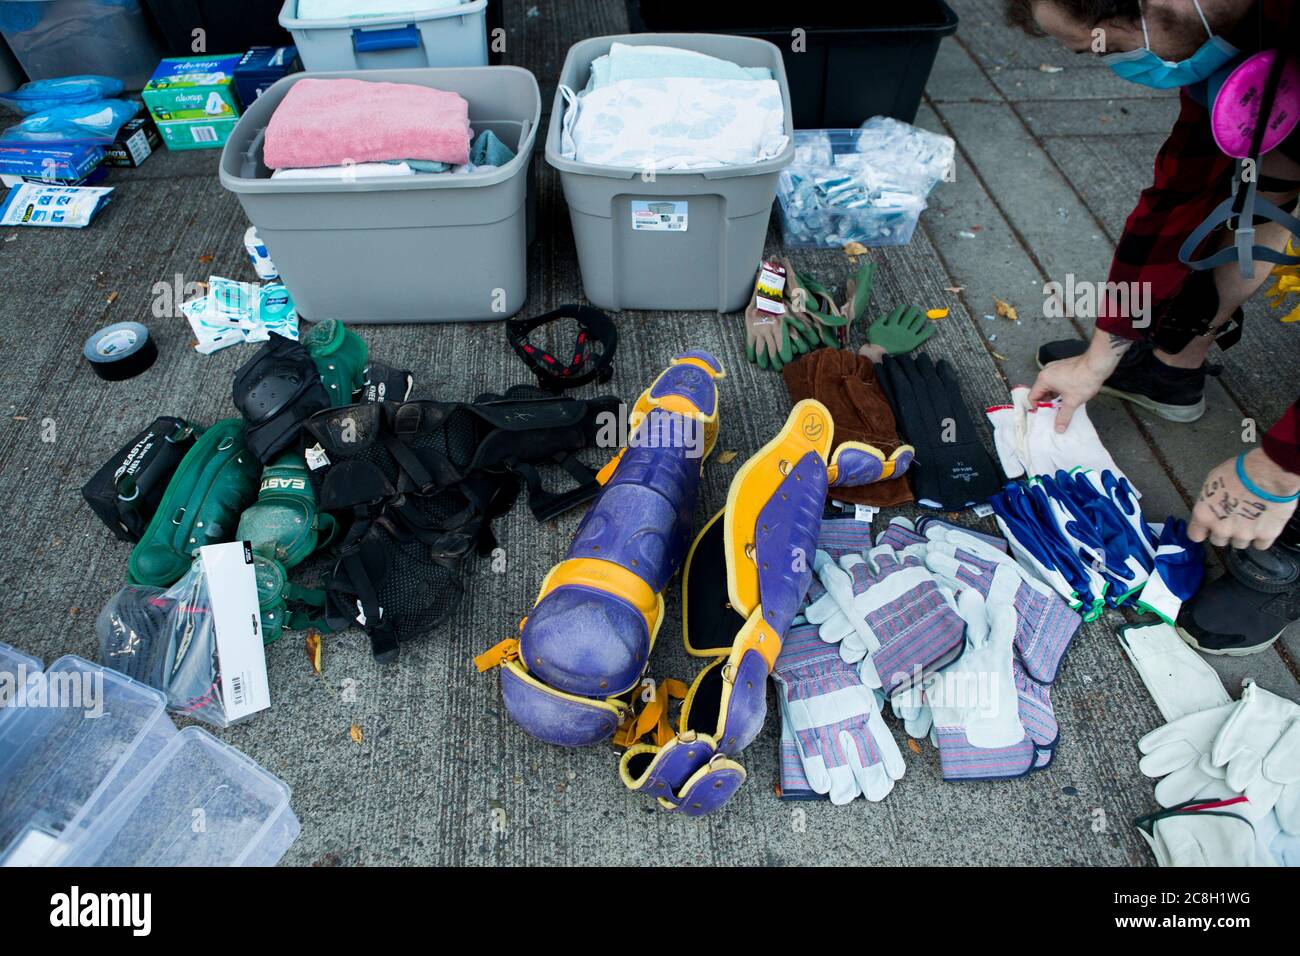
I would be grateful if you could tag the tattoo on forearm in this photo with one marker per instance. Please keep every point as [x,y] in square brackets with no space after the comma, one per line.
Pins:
[1226,505]
[1119,344]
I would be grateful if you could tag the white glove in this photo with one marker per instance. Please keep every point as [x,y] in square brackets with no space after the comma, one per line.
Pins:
[830,612]
[1177,754]
[978,691]
[1203,838]
[1027,441]
[1258,748]
[1179,679]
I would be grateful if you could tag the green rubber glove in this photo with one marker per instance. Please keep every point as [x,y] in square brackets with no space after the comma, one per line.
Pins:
[822,311]
[901,330]
[858,292]
[767,339]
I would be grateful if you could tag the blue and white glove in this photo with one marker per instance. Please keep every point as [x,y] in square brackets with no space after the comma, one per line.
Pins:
[1179,571]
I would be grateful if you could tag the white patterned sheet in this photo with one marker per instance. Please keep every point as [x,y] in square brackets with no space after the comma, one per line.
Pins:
[674,123]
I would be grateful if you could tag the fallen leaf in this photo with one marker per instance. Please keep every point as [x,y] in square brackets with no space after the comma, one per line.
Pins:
[1000,358]
[20,418]
[913,746]
[355,734]
[937,314]
[206,258]
[112,297]
[1005,309]
[726,457]
[854,249]
[1048,68]
[313,650]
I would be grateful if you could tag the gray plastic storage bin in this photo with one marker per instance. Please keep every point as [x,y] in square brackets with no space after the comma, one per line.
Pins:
[53,38]
[425,248]
[710,265]
[62,766]
[200,803]
[452,36]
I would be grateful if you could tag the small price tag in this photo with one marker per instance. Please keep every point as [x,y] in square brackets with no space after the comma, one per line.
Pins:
[316,457]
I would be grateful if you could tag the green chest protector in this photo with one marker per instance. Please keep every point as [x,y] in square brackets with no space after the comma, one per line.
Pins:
[284,528]
[212,485]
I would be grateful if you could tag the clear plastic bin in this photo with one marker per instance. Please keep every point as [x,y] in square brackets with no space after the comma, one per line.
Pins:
[61,766]
[16,670]
[833,194]
[53,38]
[446,36]
[200,803]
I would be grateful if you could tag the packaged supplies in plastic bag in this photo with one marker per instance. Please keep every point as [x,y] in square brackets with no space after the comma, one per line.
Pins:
[95,122]
[919,156]
[198,641]
[865,185]
[41,95]
[68,207]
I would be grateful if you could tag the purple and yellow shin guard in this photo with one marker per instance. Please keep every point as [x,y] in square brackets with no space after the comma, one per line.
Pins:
[585,644]
[745,577]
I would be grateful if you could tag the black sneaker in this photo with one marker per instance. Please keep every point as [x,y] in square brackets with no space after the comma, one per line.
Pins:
[1177,394]
[1246,610]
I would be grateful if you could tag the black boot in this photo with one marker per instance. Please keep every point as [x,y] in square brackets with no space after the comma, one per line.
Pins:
[1177,394]
[1248,608]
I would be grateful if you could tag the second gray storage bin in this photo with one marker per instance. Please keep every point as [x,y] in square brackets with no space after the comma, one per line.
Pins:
[425,248]
[711,263]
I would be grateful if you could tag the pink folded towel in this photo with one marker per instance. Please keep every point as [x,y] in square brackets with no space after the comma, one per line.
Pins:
[333,122]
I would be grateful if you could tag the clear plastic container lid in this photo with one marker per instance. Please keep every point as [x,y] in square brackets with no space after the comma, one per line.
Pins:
[68,748]
[200,803]
[16,670]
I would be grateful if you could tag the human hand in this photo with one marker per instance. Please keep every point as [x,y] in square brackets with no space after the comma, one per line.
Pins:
[1227,512]
[1073,380]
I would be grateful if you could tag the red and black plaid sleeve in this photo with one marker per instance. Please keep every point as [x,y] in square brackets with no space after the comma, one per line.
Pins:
[1282,443]
[1191,178]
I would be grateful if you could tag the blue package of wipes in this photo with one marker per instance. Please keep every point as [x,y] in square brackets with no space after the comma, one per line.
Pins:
[68,207]
[41,95]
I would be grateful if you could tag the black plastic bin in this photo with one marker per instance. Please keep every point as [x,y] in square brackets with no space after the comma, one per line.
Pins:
[858,59]
[230,26]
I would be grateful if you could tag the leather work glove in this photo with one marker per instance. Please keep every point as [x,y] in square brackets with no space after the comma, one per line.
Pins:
[847,385]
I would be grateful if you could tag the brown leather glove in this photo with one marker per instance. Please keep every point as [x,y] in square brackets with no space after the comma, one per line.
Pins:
[846,384]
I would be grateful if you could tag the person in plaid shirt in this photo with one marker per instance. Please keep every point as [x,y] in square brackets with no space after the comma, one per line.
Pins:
[1158,359]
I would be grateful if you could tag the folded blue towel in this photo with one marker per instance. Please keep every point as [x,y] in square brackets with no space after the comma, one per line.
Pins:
[488,150]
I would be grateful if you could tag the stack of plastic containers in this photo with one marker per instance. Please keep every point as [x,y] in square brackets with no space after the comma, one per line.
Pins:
[94,773]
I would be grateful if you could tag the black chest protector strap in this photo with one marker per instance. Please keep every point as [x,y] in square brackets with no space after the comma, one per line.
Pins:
[592,358]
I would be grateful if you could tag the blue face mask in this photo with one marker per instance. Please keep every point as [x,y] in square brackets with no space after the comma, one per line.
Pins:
[1144,67]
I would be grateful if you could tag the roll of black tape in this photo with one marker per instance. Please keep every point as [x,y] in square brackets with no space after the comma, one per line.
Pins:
[120,351]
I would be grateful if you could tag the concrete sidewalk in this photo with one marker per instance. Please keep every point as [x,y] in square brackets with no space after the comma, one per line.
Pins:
[1050,163]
